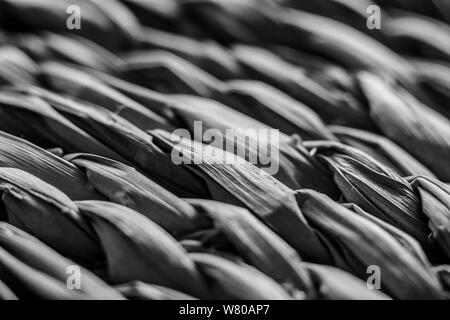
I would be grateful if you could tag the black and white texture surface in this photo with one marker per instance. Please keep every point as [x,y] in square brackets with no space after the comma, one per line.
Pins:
[224,149]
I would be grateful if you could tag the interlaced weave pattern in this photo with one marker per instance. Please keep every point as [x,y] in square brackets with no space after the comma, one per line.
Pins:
[94,204]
